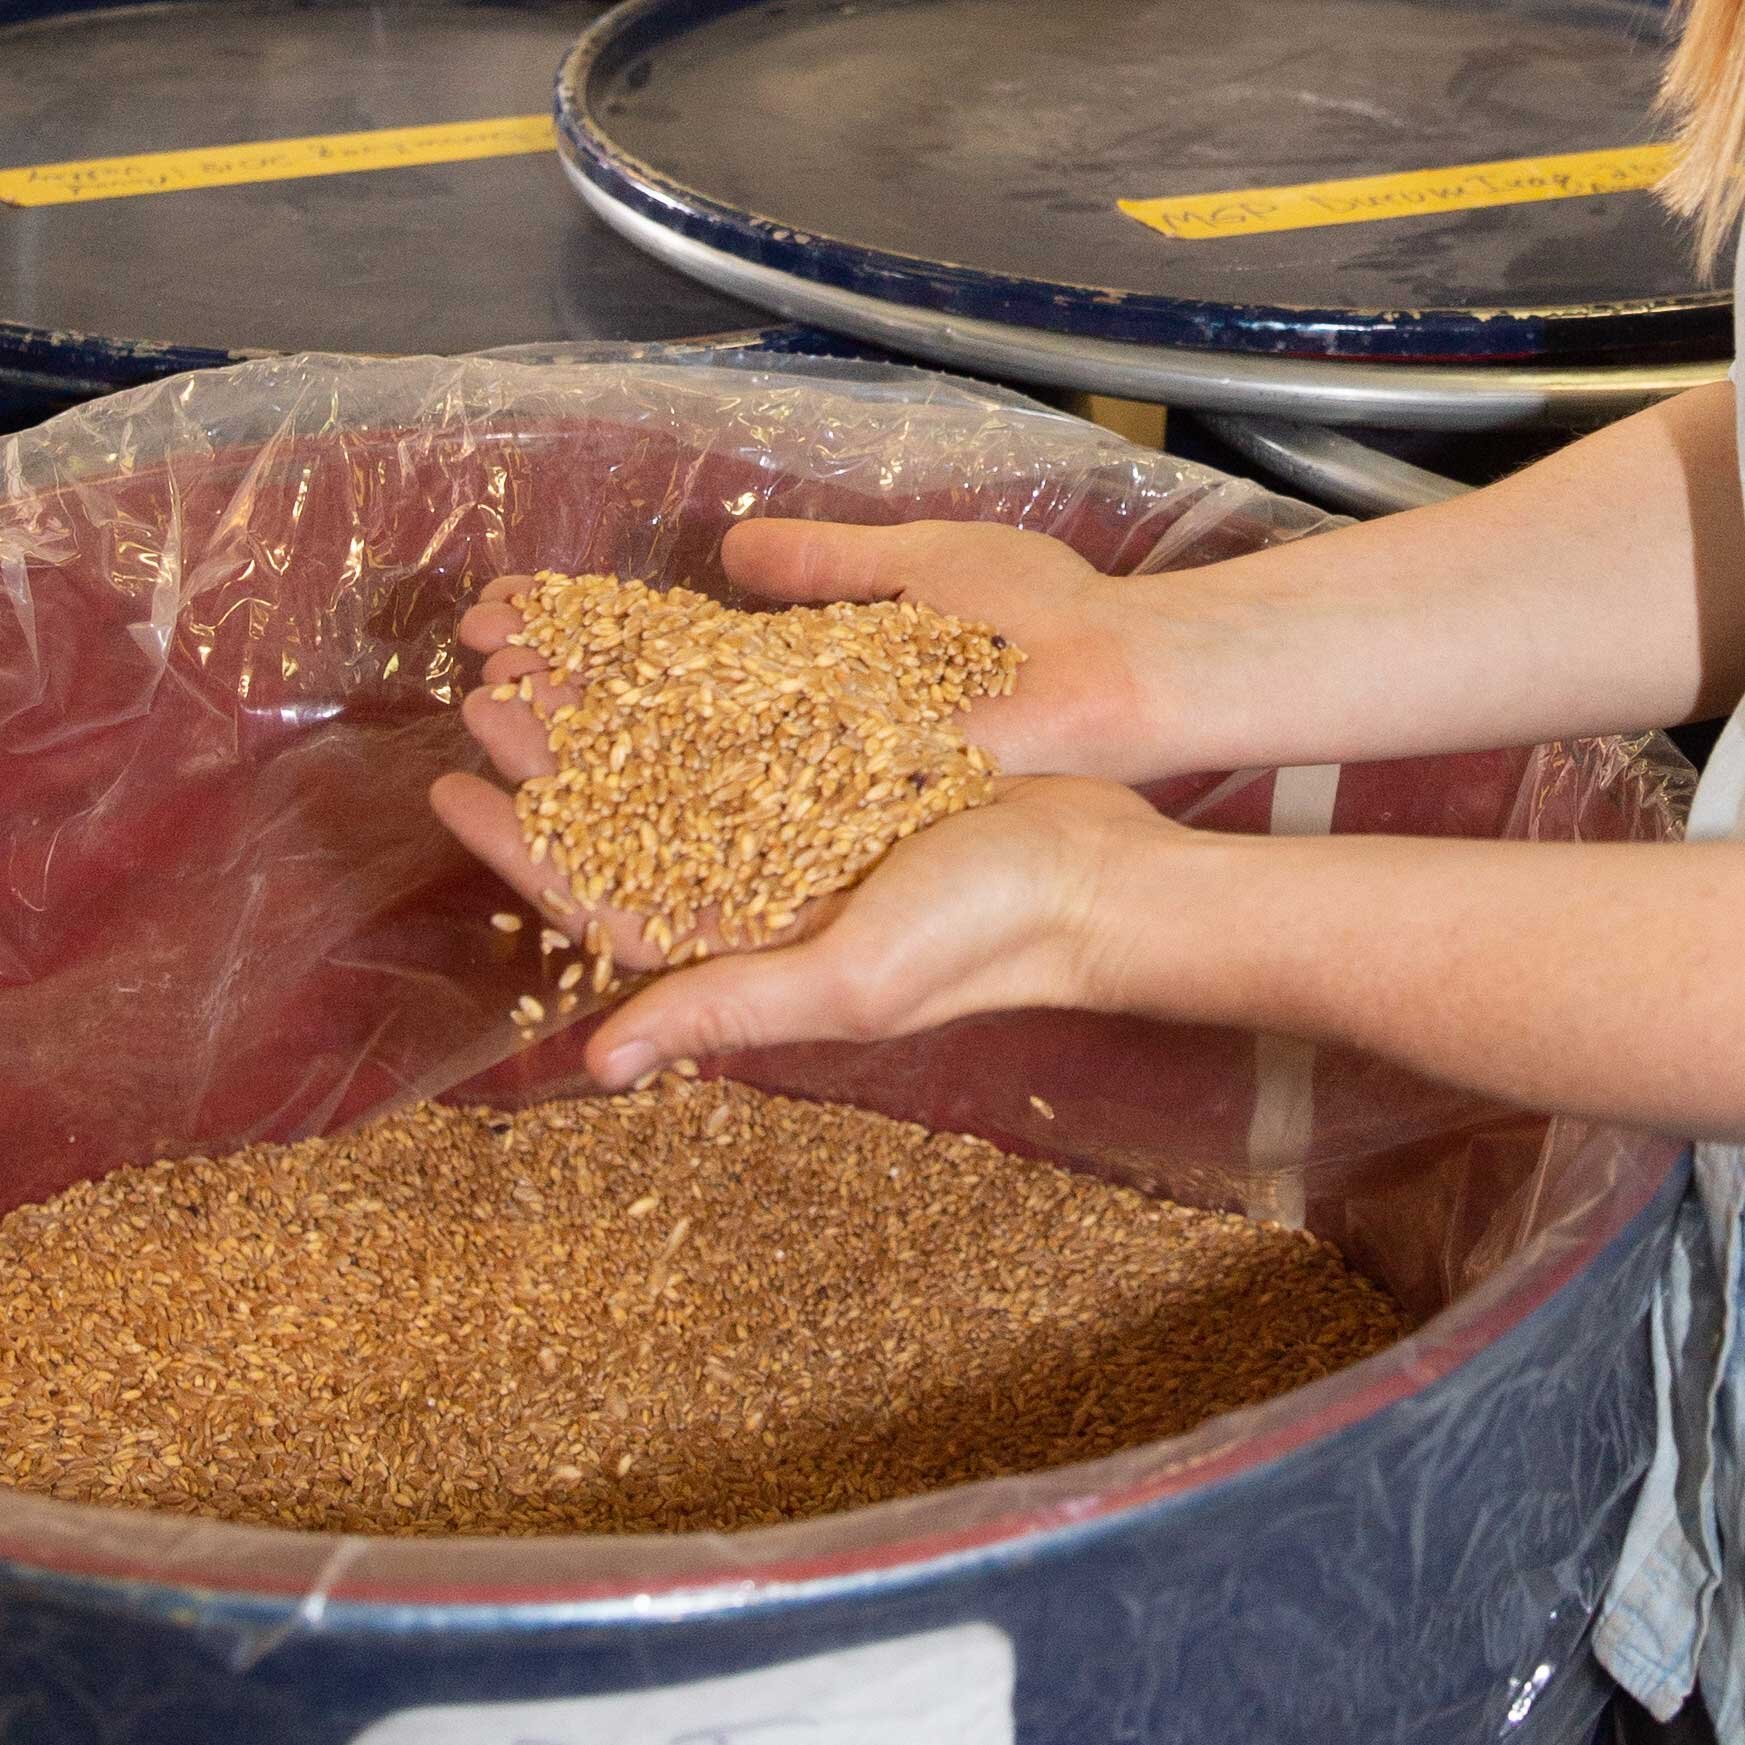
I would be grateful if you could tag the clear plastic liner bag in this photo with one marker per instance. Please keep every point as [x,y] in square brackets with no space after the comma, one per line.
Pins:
[228,673]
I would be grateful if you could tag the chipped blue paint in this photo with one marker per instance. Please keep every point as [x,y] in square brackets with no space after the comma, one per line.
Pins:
[59,365]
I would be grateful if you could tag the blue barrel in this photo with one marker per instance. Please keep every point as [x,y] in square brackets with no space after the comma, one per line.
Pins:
[1410,1552]
[952,178]
[445,257]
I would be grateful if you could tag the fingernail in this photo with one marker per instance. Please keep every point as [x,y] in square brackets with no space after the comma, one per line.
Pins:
[626,1064]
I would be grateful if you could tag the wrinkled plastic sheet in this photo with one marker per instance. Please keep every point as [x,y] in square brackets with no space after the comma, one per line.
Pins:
[228,672]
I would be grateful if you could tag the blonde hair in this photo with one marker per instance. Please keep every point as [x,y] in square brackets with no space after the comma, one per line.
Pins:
[1704,95]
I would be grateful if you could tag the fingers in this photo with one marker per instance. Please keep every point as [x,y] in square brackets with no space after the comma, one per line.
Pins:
[511,735]
[976,913]
[818,560]
[512,663]
[488,625]
[482,818]
[760,1000]
[935,561]
[513,730]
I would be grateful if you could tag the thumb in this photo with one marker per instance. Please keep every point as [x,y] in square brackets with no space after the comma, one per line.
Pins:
[796,993]
[818,560]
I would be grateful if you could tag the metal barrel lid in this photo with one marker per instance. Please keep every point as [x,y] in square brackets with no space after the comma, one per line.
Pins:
[1360,471]
[464,254]
[1397,396]
[967,160]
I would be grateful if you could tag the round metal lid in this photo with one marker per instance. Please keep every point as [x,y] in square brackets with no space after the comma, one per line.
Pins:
[968,157]
[434,257]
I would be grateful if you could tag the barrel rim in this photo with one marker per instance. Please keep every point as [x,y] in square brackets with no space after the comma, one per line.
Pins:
[34,359]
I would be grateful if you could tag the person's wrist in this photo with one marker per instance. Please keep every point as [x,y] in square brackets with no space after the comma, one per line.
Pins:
[1180,643]
[1182,924]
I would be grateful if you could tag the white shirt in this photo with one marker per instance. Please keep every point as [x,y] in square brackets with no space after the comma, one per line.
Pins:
[1674,1616]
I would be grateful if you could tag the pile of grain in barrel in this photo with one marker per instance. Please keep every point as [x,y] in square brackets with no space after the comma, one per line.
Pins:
[693,1306]
[722,766]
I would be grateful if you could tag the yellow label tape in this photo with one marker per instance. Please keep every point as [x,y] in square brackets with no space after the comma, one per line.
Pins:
[1411,194]
[274,160]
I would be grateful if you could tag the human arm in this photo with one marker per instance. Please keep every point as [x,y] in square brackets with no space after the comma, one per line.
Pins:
[1597,591]
[1600,979]
[1600,590]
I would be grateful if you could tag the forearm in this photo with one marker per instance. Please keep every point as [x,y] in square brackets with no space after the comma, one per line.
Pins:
[1597,979]
[1602,590]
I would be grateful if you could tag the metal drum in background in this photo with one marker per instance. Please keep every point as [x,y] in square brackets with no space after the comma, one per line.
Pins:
[943,178]
[443,257]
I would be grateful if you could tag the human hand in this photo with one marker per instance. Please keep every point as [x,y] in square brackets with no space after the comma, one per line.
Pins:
[511,717]
[1022,903]
[482,816]
[1017,903]
[1083,704]
[513,730]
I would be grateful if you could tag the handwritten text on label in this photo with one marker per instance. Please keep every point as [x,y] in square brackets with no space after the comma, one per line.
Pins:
[275,160]
[1410,194]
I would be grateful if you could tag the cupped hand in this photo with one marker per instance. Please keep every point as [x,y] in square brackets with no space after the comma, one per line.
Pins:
[1001,907]
[1080,707]
[1083,705]
[1022,903]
